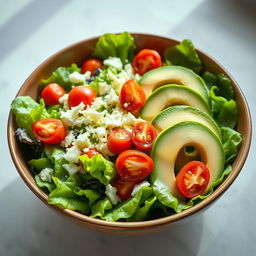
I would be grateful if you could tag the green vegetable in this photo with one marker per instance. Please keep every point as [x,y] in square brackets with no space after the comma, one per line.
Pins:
[99,168]
[224,111]
[61,77]
[231,141]
[40,164]
[55,111]
[90,194]
[112,45]
[184,54]
[27,111]
[44,184]
[99,208]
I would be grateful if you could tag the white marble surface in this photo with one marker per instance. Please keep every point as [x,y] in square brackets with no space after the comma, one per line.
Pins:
[32,30]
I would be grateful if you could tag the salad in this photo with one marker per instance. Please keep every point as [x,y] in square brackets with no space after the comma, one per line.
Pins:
[130,135]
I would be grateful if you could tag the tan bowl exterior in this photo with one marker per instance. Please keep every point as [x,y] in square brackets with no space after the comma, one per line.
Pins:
[77,53]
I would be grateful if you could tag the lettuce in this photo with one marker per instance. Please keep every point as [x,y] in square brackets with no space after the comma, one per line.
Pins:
[99,168]
[61,77]
[112,45]
[99,208]
[27,111]
[184,54]
[55,111]
[44,184]
[40,164]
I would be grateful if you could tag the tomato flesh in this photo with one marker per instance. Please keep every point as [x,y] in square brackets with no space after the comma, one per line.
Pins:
[49,130]
[52,93]
[146,60]
[119,140]
[193,179]
[80,94]
[134,165]
[143,135]
[132,97]
[92,65]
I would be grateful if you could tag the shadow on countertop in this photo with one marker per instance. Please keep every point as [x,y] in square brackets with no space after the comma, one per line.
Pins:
[31,228]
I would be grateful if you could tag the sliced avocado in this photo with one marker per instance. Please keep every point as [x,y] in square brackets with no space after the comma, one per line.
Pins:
[173,75]
[171,140]
[173,115]
[169,95]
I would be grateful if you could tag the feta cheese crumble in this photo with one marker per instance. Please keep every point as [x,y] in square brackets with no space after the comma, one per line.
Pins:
[139,186]
[46,174]
[78,78]
[111,194]
[113,62]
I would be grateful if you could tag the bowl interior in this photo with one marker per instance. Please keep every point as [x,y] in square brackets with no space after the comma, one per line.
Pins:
[77,53]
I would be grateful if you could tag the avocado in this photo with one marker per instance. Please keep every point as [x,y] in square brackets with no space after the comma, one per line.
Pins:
[171,94]
[176,114]
[171,140]
[173,74]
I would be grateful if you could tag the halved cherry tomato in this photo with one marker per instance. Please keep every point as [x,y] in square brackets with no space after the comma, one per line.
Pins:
[192,179]
[143,135]
[124,188]
[146,60]
[49,130]
[51,94]
[134,165]
[80,94]
[132,96]
[91,65]
[119,140]
[92,152]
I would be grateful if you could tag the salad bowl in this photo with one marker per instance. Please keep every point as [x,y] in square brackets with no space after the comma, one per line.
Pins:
[77,53]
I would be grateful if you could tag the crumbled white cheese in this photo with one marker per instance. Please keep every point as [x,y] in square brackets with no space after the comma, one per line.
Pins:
[137,187]
[111,194]
[113,62]
[72,117]
[98,103]
[82,141]
[64,101]
[103,88]
[112,98]
[128,69]
[126,104]
[68,140]
[72,154]
[78,78]
[46,174]
[85,150]
[71,168]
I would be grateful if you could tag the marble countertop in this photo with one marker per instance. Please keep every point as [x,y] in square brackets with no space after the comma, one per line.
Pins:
[32,30]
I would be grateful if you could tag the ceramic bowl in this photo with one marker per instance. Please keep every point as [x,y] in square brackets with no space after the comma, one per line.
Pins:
[77,53]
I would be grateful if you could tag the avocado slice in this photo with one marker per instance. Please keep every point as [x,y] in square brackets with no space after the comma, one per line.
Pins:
[171,94]
[173,75]
[171,140]
[173,115]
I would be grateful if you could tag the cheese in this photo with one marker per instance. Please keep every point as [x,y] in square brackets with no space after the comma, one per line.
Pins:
[46,174]
[78,78]
[113,62]
[111,194]
[71,168]
[137,187]
[72,154]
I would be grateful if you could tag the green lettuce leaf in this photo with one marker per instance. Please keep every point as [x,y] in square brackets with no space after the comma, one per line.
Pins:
[55,111]
[99,208]
[224,111]
[231,141]
[27,111]
[184,54]
[128,208]
[112,45]
[44,184]
[90,194]
[99,168]
[40,164]
[61,77]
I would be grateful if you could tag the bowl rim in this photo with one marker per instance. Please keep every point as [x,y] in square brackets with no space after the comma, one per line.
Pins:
[138,224]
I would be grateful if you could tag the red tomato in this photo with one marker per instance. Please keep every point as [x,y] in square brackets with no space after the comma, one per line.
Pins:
[49,130]
[80,94]
[146,60]
[134,165]
[124,188]
[143,135]
[91,65]
[132,96]
[51,94]
[119,140]
[92,152]
[192,179]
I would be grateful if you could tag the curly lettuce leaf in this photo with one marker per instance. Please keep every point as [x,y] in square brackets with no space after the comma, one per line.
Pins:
[50,186]
[224,111]
[184,54]
[99,168]
[27,111]
[112,45]
[40,164]
[231,141]
[61,77]
[55,111]
[99,208]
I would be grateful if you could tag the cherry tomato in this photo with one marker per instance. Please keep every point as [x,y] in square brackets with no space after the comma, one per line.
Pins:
[49,130]
[91,65]
[92,152]
[124,188]
[132,96]
[80,94]
[146,60]
[143,135]
[192,179]
[134,165]
[51,94]
[119,140]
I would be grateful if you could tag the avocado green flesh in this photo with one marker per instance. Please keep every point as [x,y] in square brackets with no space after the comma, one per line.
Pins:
[169,95]
[173,115]
[173,74]
[171,140]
